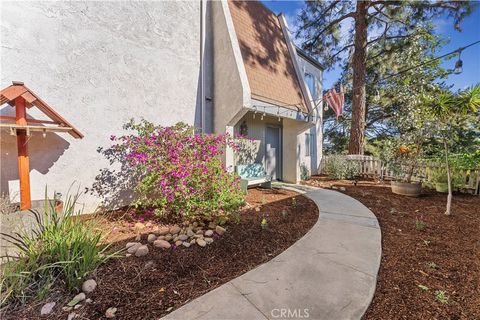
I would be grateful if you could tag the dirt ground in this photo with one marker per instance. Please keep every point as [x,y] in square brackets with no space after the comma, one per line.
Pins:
[424,252]
[149,287]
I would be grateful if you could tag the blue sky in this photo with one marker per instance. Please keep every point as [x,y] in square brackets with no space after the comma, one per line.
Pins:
[470,33]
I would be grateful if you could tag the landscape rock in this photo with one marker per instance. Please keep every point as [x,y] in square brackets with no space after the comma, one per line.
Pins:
[201,242]
[134,248]
[110,313]
[77,299]
[193,241]
[151,237]
[150,264]
[208,240]
[162,244]
[190,233]
[47,308]
[138,237]
[67,308]
[88,300]
[139,226]
[163,231]
[182,237]
[128,255]
[178,243]
[174,229]
[78,306]
[71,316]
[220,230]
[129,244]
[89,285]
[208,233]
[198,236]
[186,244]
[141,251]
[211,225]
[199,231]
[168,237]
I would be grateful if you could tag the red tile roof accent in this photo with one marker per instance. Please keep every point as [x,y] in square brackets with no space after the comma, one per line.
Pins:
[268,63]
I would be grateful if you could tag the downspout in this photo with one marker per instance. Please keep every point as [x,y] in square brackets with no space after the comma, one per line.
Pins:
[202,65]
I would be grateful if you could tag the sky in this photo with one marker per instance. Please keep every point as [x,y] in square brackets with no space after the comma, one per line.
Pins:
[470,33]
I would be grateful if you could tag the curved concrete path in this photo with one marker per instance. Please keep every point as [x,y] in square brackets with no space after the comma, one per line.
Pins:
[330,273]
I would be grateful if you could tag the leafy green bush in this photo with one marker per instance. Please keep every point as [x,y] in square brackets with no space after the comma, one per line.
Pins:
[59,249]
[339,167]
[179,173]
[439,175]
[304,172]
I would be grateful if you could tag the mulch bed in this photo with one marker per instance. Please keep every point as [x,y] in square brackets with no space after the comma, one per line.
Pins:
[444,256]
[149,287]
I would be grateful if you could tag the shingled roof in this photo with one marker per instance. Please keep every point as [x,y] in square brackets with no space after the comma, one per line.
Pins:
[268,63]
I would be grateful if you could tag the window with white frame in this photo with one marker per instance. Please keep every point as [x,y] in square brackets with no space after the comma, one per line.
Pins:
[309,144]
[310,80]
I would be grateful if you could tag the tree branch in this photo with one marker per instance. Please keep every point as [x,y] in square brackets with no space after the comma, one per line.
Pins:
[333,23]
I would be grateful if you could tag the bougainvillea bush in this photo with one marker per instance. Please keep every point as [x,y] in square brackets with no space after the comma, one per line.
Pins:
[178,172]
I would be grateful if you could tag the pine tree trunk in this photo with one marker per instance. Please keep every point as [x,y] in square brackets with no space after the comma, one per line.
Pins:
[449,180]
[357,130]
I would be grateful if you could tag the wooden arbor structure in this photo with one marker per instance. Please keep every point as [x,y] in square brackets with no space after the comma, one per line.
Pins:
[20,97]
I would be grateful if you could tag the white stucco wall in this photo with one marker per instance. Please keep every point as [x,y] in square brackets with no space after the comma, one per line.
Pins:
[98,64]
[313,162]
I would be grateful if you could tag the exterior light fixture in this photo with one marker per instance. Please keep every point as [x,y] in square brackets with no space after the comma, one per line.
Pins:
[458,65]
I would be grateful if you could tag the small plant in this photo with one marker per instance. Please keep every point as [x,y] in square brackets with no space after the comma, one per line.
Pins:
[59,250]
[420,225]
[441,296]
[304,172]
[424,288]
[264,224]
[294,202]
[433,265]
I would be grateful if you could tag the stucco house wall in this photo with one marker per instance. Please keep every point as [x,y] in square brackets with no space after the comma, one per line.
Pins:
[313,162]
[98,64]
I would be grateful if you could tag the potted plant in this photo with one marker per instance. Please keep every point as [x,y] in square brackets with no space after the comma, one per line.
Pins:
[403,165]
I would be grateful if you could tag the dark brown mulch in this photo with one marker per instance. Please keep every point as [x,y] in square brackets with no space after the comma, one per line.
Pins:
[444,256]
[154,285]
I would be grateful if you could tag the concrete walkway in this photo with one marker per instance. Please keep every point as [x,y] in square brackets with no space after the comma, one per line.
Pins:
[330,273]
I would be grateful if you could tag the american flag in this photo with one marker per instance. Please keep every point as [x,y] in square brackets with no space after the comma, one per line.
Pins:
[335,100]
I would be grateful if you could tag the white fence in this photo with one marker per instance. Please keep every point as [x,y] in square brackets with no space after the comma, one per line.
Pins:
[372,167]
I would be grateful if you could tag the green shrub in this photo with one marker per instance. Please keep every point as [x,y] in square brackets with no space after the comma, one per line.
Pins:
[178,172]
[338,167]
[304,172]
[59,249]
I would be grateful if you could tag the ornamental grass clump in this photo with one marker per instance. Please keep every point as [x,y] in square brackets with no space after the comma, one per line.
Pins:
[59,251]
[180,173]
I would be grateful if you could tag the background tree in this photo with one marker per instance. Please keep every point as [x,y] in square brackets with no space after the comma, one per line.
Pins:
[384,21]
[453,112]
[390,99]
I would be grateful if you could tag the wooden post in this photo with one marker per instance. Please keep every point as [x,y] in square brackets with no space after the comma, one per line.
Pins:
[23,161]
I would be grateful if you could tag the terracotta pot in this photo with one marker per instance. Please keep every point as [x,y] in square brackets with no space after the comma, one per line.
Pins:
[441,187]
[411,189]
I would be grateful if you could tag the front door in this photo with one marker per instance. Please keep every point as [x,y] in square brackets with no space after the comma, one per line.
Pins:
[273,160]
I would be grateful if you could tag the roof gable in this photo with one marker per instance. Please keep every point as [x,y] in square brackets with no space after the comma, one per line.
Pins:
[268,63]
